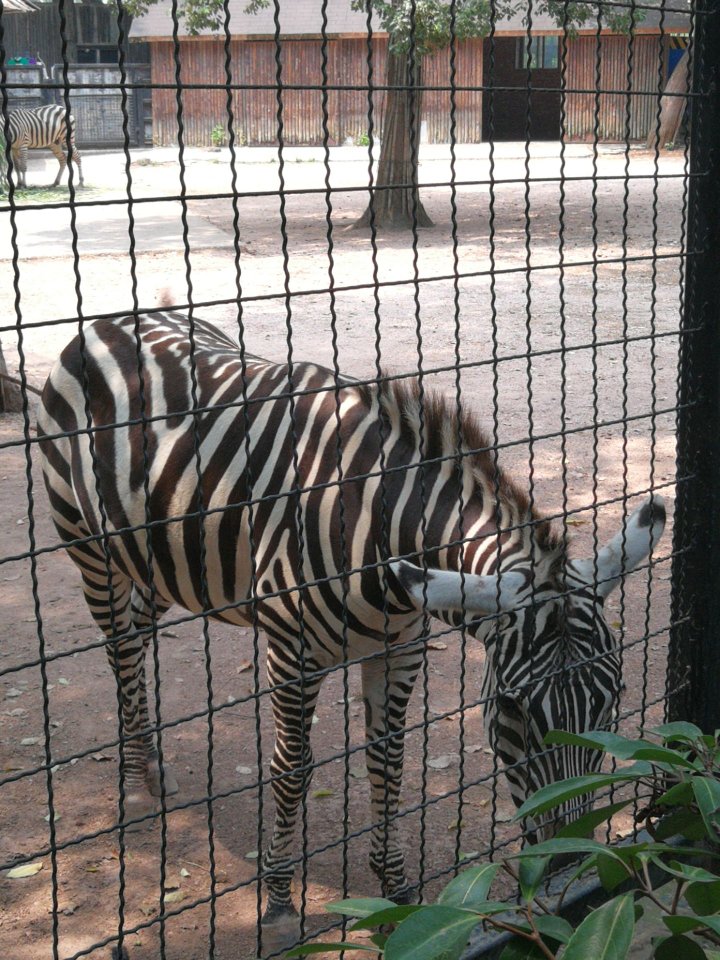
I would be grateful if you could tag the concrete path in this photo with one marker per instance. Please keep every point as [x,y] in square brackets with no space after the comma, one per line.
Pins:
[105,230]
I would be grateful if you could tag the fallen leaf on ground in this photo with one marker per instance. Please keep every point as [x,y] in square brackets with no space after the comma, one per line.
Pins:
[25,870]
[437,645]
[174,896]
[321,792]
[244,665]
[440,763]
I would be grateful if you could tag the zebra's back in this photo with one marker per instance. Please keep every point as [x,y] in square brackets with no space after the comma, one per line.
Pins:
[40,126]
[253,439]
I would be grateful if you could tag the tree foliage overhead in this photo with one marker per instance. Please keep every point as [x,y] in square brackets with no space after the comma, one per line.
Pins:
[425,26]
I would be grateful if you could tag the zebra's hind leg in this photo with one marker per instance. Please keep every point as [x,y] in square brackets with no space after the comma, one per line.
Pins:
[291,768]
[387,684]
[107,593]
[147,609]
[19,166]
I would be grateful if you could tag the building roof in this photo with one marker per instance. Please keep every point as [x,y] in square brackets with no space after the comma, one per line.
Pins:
[18,6]
[303,18]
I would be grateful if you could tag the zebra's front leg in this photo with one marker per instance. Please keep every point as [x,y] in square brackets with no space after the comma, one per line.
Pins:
[291,768]
[387,685]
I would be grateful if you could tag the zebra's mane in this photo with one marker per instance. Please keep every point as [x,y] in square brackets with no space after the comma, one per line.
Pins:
[436,418]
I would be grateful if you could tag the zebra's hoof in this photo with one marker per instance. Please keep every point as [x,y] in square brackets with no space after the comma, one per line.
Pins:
[138,803]
[280,929]
[156,783]
[404,897]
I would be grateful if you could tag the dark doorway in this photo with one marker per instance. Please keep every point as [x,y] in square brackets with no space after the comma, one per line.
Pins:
[505,81]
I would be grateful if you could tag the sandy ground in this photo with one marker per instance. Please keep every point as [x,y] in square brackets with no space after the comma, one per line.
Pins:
[497,308]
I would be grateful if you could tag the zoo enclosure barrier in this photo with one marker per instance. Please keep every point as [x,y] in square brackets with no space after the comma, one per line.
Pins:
[215,832]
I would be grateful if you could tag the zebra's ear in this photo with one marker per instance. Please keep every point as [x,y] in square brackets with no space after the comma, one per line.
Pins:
[627,548]
[447,590]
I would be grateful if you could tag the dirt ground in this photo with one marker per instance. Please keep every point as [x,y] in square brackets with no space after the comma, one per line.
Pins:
[452,801]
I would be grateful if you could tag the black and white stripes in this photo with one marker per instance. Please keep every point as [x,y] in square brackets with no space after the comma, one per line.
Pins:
[264,442]
[38,128]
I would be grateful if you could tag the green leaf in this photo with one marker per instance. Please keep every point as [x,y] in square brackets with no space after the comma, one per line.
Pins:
[583,826]
[605,934]
[680,794]
[433,932]
[684,872]
[360,906]
[530,875]
[703,898]
[707,796]
[556,793]
[665,757]
[621,747]
[394,914]
[679,947]
[611,872]
[554,928]
[681,924]
[469,887]
[712,923]
[564,845]
[684,822]
[521,949]
[308,948]
[679,730]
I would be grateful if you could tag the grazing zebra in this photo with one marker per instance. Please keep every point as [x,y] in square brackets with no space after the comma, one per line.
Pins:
[312,493]
[37,128]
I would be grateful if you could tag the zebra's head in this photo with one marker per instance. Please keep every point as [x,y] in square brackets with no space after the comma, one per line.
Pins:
[552,660]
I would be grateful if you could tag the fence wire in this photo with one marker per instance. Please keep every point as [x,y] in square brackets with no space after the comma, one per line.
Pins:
[278,358]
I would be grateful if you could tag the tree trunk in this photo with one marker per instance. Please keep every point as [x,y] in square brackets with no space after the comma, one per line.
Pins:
[672,108]
[398,154]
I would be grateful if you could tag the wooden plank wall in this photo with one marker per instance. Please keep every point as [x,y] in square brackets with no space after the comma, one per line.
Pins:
[255,111]
[649,55]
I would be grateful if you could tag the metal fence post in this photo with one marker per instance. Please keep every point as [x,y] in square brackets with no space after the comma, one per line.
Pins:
[694,655]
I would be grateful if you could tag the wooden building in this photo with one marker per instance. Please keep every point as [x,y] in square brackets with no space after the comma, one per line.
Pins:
[492,79]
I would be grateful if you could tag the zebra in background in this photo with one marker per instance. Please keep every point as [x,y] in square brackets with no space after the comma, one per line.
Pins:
[281,453]
[37,128]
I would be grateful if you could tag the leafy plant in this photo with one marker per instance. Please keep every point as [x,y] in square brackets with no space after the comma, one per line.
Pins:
[675,775]
[218,135]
